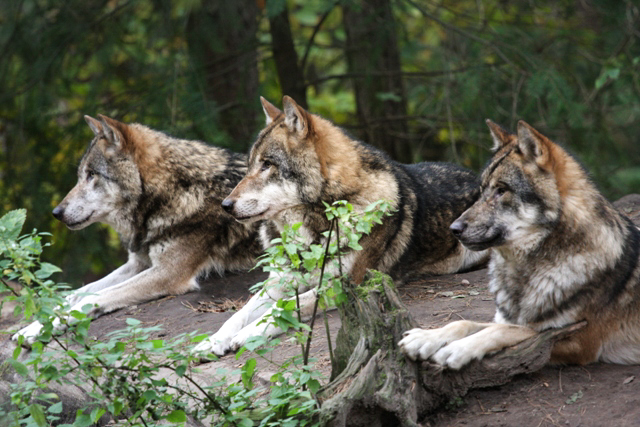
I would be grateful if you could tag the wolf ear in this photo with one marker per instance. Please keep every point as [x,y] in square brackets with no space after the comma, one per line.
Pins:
[295,117]
[95,125]
[500,135]
[270,110]
[112,130]
[533,144]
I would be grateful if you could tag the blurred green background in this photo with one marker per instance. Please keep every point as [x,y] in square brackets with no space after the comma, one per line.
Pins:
[414,77]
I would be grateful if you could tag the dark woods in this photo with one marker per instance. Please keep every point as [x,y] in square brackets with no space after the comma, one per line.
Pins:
[414,77]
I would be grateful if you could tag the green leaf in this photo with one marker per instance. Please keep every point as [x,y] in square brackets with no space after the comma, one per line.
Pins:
[11,223]
[132,322]
[56,408]
[177,416]
[291,248]
[606,75]
[37,412]
[313,385]
[19,367]
[46,270]
[255,342]
[245,422]
[150,395]
[248,370]
[180,370]
[96,414]
[82,420]
[17,350]
[388,96]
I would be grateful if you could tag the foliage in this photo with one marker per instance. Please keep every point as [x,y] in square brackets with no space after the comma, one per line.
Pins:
[128,373]
[569,68]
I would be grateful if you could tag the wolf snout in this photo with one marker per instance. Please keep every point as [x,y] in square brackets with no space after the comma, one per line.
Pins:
[227,204]
[58,212]
[458,227]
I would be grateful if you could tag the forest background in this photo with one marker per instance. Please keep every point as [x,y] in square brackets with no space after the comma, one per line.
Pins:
[416,78]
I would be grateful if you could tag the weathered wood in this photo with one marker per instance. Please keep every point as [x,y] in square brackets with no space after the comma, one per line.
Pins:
[373,384]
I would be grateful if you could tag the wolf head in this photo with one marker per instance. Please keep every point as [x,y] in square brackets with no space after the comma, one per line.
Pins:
[287,164]
[523,190]
[108,178]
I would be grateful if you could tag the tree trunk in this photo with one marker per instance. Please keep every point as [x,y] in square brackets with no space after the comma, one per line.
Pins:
[373,59]
[373,384]
[290,75]
[222,43]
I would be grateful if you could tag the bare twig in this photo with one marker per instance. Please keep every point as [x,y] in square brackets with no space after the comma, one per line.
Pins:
[315,306]
[303,63]
[464,33]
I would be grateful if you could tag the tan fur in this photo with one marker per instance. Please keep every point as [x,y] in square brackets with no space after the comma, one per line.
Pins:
[162,195]
[561,254]
[301,160]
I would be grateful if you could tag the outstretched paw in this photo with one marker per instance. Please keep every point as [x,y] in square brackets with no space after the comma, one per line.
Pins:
[420,344]
[457,354]
[214,344]
[30,333]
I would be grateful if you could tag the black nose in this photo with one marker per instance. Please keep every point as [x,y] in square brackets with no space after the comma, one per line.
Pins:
[58,212]
[227,205]
[458,227]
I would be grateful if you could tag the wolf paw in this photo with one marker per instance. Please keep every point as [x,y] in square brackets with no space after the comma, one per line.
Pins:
[30,333]
[241,338]
[420,344]
[213,344]
[456,355]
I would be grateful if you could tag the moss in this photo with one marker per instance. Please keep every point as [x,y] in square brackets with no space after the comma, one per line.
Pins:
[373,282]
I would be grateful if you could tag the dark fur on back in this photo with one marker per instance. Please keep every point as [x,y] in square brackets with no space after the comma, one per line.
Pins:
[169,189]
[301,160]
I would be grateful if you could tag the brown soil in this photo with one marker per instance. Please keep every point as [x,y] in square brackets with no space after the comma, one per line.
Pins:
[596,395]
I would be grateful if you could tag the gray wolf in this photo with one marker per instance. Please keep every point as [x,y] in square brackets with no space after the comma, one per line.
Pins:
[162,195]
[561,253]
[300,160]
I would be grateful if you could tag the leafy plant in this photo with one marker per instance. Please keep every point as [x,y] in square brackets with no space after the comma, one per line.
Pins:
[128,374]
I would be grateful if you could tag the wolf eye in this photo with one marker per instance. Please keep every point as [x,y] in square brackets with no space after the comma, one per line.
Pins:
[266,164]
[90,175]
[500,191]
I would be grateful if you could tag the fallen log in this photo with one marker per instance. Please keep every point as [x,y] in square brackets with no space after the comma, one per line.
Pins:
[373,384]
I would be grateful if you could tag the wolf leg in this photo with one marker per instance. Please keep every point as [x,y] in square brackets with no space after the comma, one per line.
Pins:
[421,344]
[267,328]
[126,271]
[119,275]
[220,342]
[492,338]
[173,274]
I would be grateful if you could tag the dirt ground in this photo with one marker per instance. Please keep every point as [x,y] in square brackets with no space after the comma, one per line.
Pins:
[596,395]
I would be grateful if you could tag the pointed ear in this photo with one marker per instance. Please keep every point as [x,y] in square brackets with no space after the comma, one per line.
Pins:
[500,135]
[295,117]
[95,125]
[532,144]
[112,130]
[270,110]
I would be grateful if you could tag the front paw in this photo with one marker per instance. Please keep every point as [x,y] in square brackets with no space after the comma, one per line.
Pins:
[245,334]
[420,344]
[216,344]
[30,333]
[457,354]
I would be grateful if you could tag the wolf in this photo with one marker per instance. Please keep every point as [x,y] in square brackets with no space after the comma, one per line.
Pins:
[560,254]
[300,160]
[163,196]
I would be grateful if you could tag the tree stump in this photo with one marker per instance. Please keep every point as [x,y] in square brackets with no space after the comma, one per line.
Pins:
[373,384]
